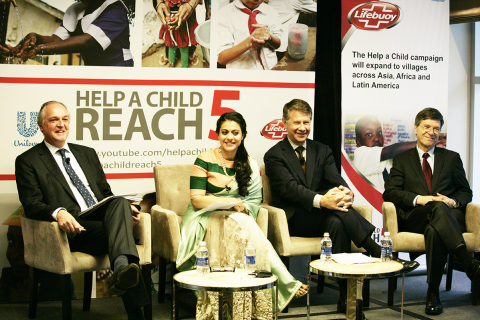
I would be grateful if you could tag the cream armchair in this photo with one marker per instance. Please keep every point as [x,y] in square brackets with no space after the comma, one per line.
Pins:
[287,246]
[172,185]
[47,248]
[414,242]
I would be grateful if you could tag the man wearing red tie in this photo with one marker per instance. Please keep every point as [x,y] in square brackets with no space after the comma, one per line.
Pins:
[430,191]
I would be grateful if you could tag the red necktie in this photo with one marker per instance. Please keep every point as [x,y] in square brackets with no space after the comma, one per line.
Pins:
[252,19]
[427,171]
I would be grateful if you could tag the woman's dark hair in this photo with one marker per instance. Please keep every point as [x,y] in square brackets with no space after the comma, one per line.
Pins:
[241,164]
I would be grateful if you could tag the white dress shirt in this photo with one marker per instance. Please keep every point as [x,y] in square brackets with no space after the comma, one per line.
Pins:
[78,170]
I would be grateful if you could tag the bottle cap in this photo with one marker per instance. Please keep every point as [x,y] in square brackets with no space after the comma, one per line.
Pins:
[387,234]
[203,243]
[326,234]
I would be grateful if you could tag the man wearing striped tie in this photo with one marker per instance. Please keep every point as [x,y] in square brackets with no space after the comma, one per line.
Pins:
[57,180]
[430,191]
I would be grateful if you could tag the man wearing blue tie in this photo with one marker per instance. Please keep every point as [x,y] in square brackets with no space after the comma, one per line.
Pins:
[57,180]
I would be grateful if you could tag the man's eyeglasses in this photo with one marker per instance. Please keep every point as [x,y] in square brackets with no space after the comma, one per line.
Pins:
[436,130]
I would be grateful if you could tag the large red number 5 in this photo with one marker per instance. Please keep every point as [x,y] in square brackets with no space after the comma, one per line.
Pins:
[218,110]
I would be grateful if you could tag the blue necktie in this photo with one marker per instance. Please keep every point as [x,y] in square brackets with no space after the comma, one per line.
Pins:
[76,180]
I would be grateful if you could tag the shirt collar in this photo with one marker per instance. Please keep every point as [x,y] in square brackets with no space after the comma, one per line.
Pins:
[294,146]
[421,152]
[54,149]
[239,4]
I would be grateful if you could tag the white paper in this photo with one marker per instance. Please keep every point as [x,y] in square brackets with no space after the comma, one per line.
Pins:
[352,258]
[219,206]
[128,196]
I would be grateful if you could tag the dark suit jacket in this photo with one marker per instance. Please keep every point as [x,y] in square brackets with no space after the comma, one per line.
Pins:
[42,188]
[406,180]
[292,189]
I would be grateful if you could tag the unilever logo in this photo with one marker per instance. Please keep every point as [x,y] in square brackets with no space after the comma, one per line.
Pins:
[22,124]
[25,131]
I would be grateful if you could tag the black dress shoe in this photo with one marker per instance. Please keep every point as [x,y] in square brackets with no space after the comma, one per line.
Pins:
[433,305]
[407,265]
[125,277]
[473,270]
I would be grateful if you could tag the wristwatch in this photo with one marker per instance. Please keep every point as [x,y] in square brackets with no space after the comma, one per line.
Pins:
[456,204]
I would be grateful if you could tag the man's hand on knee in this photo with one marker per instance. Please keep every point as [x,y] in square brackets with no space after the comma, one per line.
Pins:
[135,215]
[334,200]
[67,222]
[448,201]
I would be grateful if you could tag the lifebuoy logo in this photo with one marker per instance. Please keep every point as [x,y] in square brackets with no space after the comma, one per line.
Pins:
[274,130]
[377,15]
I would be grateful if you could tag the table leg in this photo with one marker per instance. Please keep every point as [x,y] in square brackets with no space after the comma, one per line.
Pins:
[276,302]
[359,302]
[308,296]
[403,288]
[174,301]
[351,298]
[220,306]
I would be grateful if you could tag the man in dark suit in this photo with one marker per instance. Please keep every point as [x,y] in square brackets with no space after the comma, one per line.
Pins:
[429,189]
[306,184]
[57,180]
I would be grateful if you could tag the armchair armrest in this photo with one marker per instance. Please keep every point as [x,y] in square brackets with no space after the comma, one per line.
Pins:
[143,231]
[46,246]
[278,232]
[472,221]
[366,212]
[390,222]
[262,220]
[165,226]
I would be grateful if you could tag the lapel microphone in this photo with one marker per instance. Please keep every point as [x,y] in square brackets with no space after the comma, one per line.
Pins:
[67,160]
[228,188]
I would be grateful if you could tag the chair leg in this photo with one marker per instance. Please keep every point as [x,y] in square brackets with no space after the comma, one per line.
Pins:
[66,297]
[162,279]
[392,283]
[366,293]
[147,278]
[448,284]
[475,287]
[87,290]
[286,262]
[32,307]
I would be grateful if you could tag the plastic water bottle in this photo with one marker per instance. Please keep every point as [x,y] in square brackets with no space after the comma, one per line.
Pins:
[322,252]
[249,257]
[387,247]
[202,259]
[327,248]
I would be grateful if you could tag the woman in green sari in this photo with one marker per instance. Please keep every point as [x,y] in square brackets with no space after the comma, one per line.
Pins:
[227,174]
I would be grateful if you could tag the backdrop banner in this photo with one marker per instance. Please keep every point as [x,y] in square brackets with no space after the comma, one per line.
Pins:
[394,64]
[161,106]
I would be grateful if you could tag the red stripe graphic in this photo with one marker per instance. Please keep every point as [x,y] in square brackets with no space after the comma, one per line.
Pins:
[138,82]
[368,192]
[136,175]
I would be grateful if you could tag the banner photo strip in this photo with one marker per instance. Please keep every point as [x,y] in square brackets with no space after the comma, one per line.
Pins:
[394,64]
[161,106]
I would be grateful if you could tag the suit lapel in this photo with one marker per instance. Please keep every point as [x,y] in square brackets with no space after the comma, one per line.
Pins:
[417,168]
[310,164]
[438,163]
[292,159]
[52,166]
[87,170]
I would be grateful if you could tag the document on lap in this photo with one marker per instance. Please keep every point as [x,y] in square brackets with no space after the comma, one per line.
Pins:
[352,258]
[128,196]
[219,206]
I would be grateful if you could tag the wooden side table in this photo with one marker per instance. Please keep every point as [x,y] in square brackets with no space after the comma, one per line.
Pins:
[221,282]
[355,274]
